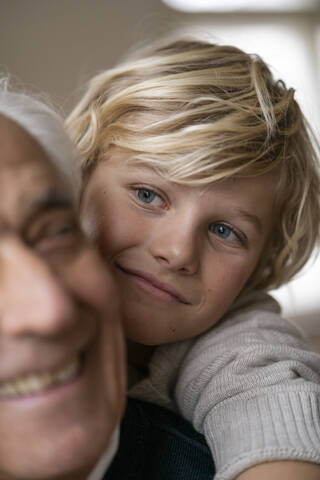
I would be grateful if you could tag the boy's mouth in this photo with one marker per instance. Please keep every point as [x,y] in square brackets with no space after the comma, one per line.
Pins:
[36,383]
[153,284]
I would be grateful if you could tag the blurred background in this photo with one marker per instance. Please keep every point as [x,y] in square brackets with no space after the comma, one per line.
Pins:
[55,46]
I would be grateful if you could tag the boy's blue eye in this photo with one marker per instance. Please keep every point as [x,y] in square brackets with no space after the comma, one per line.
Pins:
[221,230]
[146,196]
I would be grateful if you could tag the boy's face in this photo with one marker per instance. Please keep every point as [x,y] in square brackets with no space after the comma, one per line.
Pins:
[61,355]
[180,254]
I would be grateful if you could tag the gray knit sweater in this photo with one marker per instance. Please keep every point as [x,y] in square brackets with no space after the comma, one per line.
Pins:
[250,385]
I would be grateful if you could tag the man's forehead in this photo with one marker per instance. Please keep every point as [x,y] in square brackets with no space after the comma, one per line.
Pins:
[49,199]
[29,182]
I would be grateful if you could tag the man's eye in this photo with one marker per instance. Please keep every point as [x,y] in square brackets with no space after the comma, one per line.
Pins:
[57,236]
[66,229]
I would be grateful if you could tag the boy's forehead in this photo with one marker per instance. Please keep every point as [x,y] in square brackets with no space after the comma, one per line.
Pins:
[206,183]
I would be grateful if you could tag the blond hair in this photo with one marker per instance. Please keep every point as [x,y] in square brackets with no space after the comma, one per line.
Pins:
[199,112]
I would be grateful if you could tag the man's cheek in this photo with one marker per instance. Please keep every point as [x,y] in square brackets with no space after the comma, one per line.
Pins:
[89,281]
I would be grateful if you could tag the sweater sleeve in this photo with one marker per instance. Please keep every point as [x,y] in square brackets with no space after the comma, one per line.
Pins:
[252,387]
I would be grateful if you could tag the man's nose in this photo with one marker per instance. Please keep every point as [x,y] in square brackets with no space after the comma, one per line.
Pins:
[176,243]
[33,300]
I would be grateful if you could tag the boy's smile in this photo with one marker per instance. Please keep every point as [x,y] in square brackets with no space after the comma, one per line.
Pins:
[181,254]
[150,284]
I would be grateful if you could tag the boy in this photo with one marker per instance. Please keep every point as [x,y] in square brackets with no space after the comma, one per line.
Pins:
[201,188]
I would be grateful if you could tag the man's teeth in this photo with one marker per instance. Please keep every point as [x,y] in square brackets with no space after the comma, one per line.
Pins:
[37,383]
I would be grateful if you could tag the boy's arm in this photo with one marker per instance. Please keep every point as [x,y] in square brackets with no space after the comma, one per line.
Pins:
[252,387]
[287,470]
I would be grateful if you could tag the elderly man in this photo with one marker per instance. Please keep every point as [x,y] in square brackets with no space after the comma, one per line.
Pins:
[61,350]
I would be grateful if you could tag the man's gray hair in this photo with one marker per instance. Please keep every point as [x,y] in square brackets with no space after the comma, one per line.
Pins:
[42,123]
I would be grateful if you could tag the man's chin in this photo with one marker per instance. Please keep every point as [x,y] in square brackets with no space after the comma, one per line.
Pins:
[67,457]
[59,433]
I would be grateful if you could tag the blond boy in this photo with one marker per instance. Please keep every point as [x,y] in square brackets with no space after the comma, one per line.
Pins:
[201,188]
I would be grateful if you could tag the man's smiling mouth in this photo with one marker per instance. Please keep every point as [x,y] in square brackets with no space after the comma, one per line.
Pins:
[37,383]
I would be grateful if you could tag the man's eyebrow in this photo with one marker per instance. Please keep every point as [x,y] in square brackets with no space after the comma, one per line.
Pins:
[50,200]
[253,219]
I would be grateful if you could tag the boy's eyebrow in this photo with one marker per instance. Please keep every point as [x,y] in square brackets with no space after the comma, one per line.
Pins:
[253,219]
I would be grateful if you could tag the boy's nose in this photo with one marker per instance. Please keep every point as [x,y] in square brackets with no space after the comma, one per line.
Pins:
[32,299]
[176,245]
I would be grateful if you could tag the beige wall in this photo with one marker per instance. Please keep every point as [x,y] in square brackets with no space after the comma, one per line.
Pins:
[56,44]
